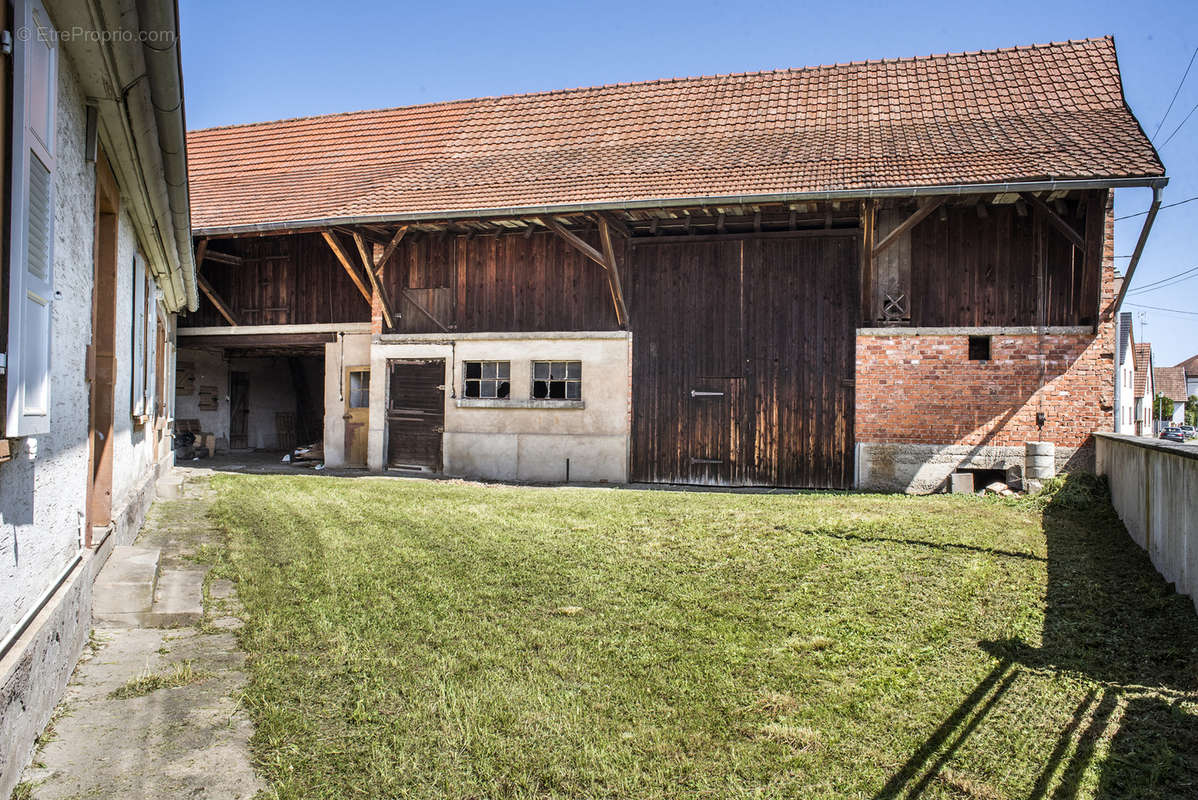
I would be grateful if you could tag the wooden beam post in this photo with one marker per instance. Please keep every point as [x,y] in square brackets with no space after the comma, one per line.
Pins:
[389,250]
[216,300]
[201,252]
[928,206]
[335,245]
[374,281]
[579,244]
[613,273]
[867,261]
[1056,220]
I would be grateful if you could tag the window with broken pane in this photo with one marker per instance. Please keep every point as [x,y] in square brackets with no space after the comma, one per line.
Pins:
[557,380]
[359,389]
[487,380]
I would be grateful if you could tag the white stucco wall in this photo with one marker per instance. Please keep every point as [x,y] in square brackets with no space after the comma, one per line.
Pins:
[353,350]
[43,488]
[210,369]
[520,439]
[1125,380]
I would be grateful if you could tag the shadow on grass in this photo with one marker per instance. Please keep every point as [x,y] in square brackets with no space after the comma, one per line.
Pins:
[1111,620]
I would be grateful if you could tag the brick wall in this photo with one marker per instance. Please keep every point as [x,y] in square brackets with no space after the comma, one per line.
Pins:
[924,389]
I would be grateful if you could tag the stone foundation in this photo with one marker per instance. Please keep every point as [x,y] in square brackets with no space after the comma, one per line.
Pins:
[925,468]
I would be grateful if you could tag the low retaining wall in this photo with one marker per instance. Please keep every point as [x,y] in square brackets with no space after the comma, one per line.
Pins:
[1154,488]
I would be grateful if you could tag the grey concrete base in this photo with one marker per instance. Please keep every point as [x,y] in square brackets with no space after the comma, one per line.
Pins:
[926,468]
[179,599]
[124,589]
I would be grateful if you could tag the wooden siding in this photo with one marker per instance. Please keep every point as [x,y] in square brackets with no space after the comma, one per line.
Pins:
[743,360]
[962,267]
[282,280]
[497,283]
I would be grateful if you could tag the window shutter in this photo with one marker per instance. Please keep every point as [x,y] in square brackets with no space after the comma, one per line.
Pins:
[138,361]
[31,232]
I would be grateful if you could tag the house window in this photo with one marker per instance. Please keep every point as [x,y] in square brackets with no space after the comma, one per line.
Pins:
[359,388]
[487,380]
[557,380]
[979,348]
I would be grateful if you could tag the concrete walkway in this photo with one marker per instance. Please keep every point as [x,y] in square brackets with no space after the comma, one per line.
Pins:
[151,711]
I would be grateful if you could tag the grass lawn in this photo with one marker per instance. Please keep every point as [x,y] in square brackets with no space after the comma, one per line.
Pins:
[440,639]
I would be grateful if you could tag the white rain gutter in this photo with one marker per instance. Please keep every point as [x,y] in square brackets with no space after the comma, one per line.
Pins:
[676,202]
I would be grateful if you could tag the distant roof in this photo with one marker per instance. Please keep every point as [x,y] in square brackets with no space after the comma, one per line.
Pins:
[1171,382]
[1036,113]
[1190,365]
[1143,352]
[1125,336]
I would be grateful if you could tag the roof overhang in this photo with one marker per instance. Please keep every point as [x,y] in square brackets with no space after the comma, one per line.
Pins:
[1049,185]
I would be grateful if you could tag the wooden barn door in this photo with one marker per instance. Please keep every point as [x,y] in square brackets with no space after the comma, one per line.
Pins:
[415,413]
[744,353]
[239,410]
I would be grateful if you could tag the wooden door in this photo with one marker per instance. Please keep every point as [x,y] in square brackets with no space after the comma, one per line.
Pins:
[357,414]
[239,410]
[101,370]
[415,413]
[744,352]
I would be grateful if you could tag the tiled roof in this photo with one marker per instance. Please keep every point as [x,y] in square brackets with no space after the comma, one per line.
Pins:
[1190,365]
[1053,111]
[1143,353]
[1171,382]
[1124,335]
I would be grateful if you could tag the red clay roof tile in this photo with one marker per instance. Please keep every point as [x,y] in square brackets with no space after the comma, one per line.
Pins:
[1024,113]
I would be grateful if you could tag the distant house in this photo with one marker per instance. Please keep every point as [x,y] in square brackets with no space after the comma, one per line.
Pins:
[1125,376]
[1170,382]
[96,264]
[866,274]
[1145,389]
[1190,367]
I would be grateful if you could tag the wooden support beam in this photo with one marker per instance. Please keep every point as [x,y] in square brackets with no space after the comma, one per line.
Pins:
[573,239]
[613,273]
[389,250]
[1056,220]
[335,245]
[223,258]
[201,253]
[616,223]
[374,281]
[216,300]
[928,206]
[416,304]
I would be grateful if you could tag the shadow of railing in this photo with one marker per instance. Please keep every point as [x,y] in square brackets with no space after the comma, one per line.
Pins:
[1111,622]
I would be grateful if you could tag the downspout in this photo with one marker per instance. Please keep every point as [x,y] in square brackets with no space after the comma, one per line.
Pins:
[1135,256]
[164,69]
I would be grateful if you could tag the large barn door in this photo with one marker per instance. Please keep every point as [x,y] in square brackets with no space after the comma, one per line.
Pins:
[743,361]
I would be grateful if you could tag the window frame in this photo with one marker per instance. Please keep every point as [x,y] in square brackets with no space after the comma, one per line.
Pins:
[566,380]
[502,377]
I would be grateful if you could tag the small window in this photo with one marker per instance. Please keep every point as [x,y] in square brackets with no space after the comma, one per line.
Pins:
[557,380]
[979,348]
[359,388]
[488,380]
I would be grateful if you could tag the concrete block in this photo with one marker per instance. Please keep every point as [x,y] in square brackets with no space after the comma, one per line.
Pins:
[962,483]
[125,587]
[179,599]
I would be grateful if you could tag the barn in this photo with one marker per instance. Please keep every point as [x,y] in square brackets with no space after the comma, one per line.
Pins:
[865,275]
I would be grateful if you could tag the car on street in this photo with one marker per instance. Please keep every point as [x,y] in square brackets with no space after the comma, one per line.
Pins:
[1173,435]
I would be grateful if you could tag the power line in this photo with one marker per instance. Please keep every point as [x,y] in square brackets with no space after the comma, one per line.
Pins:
[1156,284]
[1176,92]
[1162,208]
[1169,310]
[1183,122]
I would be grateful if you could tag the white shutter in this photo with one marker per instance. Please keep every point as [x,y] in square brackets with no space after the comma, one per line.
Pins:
[31,233]
[139,336]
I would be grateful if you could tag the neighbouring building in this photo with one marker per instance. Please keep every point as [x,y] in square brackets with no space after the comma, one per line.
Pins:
[1190,367]
[862,275]
[1145,389]
[96,262]
[1170,382]
[1125,376]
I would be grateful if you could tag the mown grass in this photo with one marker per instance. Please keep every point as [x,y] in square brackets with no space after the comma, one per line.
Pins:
[181,674]
[436,639]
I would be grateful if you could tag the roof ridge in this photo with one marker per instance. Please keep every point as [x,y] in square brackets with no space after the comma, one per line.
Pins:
[661,81]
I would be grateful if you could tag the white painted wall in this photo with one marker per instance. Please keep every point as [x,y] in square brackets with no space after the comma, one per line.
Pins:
[211,369]
[519,439]
[352,350]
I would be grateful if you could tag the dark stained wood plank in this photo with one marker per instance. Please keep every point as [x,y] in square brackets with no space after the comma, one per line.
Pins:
[346,262]
[216,300]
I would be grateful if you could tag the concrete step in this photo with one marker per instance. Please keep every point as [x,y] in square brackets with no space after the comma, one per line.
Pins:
[124,589]
[179,599]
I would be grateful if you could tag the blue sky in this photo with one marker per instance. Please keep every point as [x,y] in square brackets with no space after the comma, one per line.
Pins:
[252,61]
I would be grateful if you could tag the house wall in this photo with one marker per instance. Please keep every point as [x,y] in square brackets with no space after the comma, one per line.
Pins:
[1125,376]
[352,351]
[43,488]
[924,410]
[519,439]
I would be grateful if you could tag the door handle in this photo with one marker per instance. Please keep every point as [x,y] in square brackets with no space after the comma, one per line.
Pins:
[697,393]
